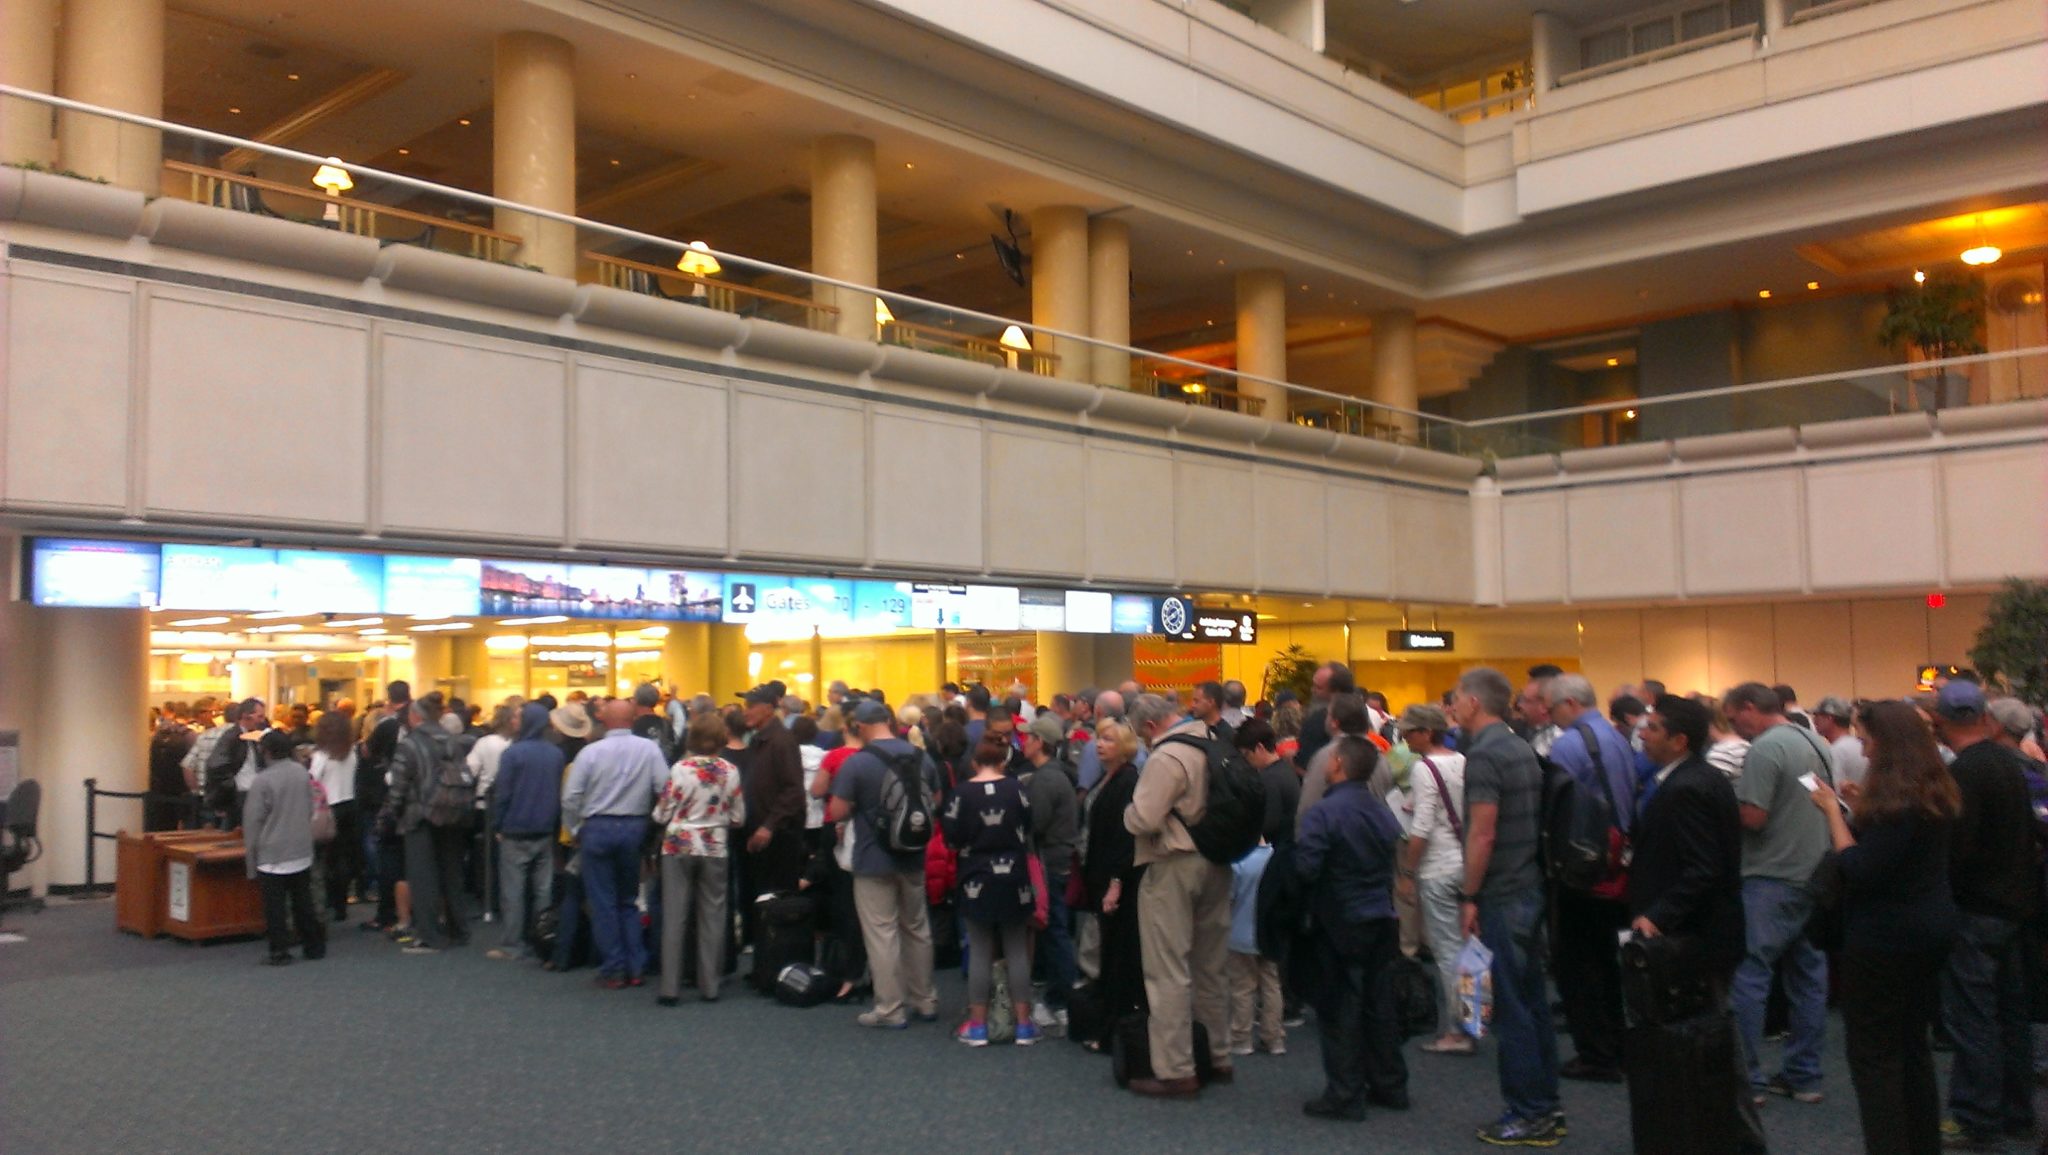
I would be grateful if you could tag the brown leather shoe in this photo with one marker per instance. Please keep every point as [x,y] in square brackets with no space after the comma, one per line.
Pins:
[1167,1088]
[1223,1074]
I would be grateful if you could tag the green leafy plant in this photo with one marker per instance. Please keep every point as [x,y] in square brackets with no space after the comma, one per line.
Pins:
[1291,669]
[38,166]
[2012,648]
[1942,317]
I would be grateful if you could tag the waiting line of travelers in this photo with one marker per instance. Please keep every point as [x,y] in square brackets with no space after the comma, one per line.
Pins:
[1174,883]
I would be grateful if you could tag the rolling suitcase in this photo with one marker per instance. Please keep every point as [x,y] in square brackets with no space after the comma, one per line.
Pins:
[803,985]
[784,921]
[1682,1086]
[1130,1051]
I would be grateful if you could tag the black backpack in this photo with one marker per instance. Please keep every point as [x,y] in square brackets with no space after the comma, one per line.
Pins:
[904,820]
[447,787]
[1582,843]
[1234,814]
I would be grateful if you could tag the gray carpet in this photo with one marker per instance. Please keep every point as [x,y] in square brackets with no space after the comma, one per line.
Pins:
[111,1043]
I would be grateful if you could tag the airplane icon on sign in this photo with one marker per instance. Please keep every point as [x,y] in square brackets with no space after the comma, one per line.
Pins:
[742,598]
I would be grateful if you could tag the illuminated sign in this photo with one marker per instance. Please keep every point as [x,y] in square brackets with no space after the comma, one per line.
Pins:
[1132,614]
[963,607]
[433,586]
[1179,619]
[881,605]
[1421,641]
[788,601]
[67,572]
[322,581]
[1042,610]
[219,577]
[1089,611]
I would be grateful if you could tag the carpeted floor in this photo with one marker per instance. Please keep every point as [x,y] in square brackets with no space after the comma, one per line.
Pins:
[109,1043]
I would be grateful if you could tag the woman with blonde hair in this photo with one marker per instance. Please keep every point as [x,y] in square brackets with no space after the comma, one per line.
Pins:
[1110,874]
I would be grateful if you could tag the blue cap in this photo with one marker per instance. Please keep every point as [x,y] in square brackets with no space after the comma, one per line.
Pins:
[1960,701]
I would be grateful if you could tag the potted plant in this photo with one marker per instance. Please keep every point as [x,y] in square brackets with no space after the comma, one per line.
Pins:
[1941,317]
[1291,669]
[2012,648]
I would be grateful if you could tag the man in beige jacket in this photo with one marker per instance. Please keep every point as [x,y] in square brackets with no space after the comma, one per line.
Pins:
[1183,903]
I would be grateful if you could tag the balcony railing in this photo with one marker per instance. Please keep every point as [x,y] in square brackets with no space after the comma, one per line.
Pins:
[1985,379]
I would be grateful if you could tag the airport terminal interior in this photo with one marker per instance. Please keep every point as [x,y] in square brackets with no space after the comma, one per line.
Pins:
[561,348]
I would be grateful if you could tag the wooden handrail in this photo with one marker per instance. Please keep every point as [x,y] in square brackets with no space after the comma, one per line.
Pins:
[985,349]
[495,240]
[708,282]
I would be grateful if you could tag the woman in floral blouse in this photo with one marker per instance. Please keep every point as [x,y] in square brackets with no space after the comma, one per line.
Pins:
[699,807]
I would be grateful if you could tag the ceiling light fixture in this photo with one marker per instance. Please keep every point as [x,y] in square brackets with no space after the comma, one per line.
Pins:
[355,622]
[1812,285]
[1919,276]
[463,121]
[234,112]
[405,152]
[291,76]
[1983,252]
[697,260]
[214,621]
[908,165]
[546,620]
[272,615]
[615,162]
[1613,361]
[1763,294]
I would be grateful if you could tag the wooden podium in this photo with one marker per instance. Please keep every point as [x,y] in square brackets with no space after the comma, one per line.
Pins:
[207,893]
[140,876]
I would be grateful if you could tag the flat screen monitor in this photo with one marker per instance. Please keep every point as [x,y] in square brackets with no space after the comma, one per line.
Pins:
[1089,611]
[313,581]
[433,586]
[219,577]
[79,572]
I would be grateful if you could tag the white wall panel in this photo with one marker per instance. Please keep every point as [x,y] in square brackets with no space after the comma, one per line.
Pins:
[1130,532]
[1213,542]
[1872,523]
[66,393]
[919,457]
[1038,499]
[472,438]
[1533,548]
[1623,541]
[290,381]
[1997,513]
[1292,549]
[1359,541]
[1432,539]
[650,458]
[1741,532]
[800,475]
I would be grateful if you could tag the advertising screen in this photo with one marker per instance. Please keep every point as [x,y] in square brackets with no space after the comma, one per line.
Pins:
[219,577]
[963,607]
[71,572]
[1090,612]
[687,596]
[324,582]
[524,587]
[1131,614]
[433,586]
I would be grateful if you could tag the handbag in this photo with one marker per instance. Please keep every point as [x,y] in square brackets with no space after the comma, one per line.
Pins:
[323,815]
[1825,926]
[1450,811]
[1662,980]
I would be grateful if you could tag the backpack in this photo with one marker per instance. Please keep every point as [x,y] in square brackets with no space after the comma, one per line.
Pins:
[1583,845]
[906,822]
[448,787]
[1234,814]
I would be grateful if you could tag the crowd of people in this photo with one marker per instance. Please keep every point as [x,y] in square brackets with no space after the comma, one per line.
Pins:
[1179,880]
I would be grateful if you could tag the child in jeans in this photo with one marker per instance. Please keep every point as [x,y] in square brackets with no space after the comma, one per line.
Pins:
[1254,980]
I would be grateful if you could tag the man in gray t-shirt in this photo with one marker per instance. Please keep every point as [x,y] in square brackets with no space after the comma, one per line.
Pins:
[1783,840]
[888,886]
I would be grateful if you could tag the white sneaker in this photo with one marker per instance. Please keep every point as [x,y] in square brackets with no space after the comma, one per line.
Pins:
[1241,1049]
[1044,1016]
[1276,1048]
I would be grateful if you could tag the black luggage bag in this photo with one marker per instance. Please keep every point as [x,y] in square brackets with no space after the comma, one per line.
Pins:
[784,922]
[1682,1090]
[803,985]
[1130,1051]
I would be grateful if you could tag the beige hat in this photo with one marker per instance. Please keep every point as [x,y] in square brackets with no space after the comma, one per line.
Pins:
[572,720]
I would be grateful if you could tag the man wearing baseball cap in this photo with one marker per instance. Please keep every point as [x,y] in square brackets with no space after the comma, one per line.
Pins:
[888,885]
[1996,879]
[1833,720]
[1051,784]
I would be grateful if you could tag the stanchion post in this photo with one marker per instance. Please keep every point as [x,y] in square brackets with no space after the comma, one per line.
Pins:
[92,828]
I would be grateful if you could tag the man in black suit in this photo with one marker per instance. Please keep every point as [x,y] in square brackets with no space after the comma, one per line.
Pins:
[1686,879]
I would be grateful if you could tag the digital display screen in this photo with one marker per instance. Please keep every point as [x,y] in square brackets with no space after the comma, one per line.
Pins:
[963,607]
[325,582]
[524,587]
[881,605]
[114,574]
[788,601]
[433,586]
[1042,610]
[687,596]
[1089,611]
[219,577]
[1132,614]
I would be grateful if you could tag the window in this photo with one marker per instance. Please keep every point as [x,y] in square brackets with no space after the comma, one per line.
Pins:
[1644,38]
[1702,22]
[1677,25]
[1603,48]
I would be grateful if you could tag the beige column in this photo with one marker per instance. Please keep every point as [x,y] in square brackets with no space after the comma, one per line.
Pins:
[1549,37]
[1059,287]
[686,658]
[1066,663]
[91,722]
[111,53]
[727,664]
[433,662]
[28,59]
[1109,299]
[843,231]
[533,144]
[1393,364]
[469,665]
[1262,337]
[1774,18]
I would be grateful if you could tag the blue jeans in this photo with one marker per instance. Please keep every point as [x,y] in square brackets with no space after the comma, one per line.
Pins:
[611,882]
[1984,1003]
[1512,928]
[1056,944]
[1774,913]
[526,865]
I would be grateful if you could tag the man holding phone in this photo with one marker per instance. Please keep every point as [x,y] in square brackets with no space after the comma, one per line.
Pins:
[1783,841]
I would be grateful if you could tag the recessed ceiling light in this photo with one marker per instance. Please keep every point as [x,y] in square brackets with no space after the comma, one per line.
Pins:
[234,112]
[272,615]
[1219,260]
[907,164]
[547,620]
[291,76]
[214,621]
[632,76]
[959,256]
[1191,252]
[1813,284]
[1763,294]
[1304,288]
[405,152]
[463,121]
[1208,322]
[615,162]
[1919,277]
[1613,361]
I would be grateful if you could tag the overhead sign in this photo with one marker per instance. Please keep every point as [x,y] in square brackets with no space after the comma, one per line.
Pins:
[1181,620]
[1133,614]
[788,601]
[219,577]
[1042,610]
[1421,641]
[935,606]
[114,574]
[313,581]
[433,586]
[1089,611]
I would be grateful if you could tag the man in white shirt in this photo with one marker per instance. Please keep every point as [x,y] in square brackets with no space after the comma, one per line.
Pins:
[1833,720]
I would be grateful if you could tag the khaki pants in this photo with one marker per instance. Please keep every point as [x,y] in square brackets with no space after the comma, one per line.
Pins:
[894,927]
[1409,911]
[1088,944]
[1184,937]
[1254,986]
